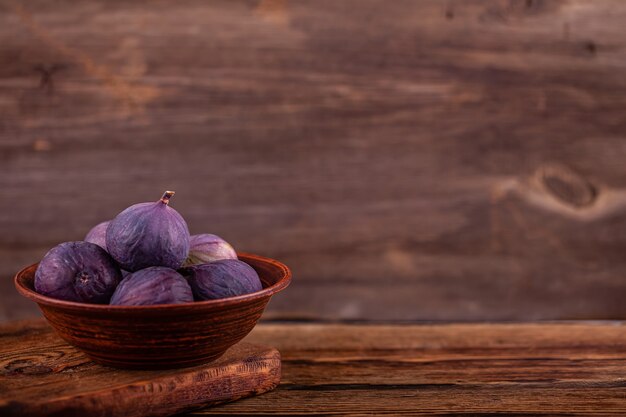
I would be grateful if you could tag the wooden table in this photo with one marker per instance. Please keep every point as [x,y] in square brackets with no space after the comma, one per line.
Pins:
[576,368]
[565,368]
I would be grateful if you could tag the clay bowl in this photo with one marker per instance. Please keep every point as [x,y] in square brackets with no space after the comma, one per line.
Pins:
[159,336]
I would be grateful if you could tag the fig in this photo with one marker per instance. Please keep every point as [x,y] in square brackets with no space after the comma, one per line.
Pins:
[221,279]
[148,234]
[154,285]
[77,271]
[98,235]
[207,248]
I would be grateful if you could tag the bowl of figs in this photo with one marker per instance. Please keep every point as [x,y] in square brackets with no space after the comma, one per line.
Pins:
[140,292]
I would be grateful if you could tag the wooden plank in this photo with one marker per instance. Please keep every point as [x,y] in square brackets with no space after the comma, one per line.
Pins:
[41,375]
[573,369]
[465,156]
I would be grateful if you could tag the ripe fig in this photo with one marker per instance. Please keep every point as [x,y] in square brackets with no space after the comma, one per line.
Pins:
[77,271]
[154,285]
[98,234]
[148,234]
[221,279]
[207,248]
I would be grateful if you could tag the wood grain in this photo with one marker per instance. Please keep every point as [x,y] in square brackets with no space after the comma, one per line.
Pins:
[413,160]
[565,369]
[41,375]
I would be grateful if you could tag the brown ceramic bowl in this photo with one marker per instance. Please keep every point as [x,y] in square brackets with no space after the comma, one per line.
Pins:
[159,336]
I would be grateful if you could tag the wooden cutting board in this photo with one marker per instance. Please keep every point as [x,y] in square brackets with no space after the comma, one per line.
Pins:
[41,375]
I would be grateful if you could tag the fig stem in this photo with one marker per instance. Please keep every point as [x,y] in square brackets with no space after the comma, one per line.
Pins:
[166,197]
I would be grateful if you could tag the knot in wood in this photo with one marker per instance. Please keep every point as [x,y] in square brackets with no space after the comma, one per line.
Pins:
[25,367]
[567,186]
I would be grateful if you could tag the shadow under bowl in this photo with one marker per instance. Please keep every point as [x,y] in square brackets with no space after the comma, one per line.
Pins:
[159,336]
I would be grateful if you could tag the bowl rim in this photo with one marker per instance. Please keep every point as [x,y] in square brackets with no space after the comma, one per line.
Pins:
[267,292]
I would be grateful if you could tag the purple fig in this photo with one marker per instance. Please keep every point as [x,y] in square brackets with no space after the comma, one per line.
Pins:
[77,271]
[148,234]
[207,248]
[154,285]
[98,234]
[221,279]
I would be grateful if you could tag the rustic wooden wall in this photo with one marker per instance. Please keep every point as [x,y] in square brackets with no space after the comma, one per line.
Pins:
[432,160]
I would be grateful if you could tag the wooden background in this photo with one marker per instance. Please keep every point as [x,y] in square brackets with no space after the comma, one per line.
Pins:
[410,160]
